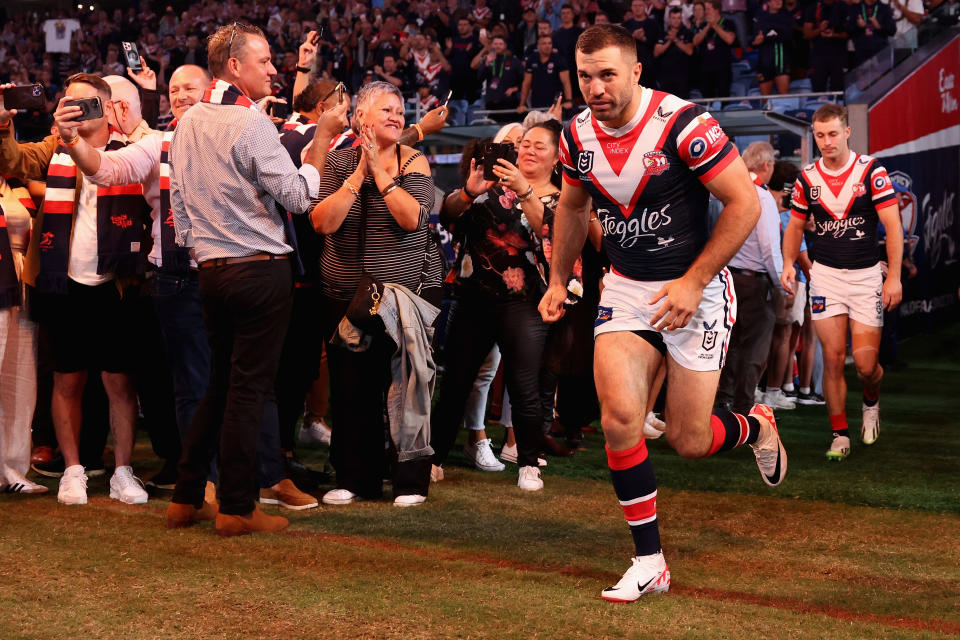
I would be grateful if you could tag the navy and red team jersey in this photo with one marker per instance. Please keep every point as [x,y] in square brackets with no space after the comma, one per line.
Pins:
[844,206]
[647,181]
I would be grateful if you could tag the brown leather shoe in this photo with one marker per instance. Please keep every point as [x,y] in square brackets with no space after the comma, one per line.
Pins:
[286,494]
[184,515]
[554,448]
[254,522]
[41,454]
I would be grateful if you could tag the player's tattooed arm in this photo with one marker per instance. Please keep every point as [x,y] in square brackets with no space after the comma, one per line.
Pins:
[792,236]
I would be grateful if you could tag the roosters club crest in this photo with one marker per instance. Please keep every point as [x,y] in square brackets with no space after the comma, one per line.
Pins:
[655,163]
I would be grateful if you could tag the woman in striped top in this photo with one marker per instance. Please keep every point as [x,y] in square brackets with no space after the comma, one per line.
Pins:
[387,188]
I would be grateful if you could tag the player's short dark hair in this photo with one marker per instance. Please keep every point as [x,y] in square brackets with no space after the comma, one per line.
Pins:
[308,99]
[566,5]
[95,81]
[219,46]
[831,111]
[548,36]
[674,10]
[716,4]
[601,36]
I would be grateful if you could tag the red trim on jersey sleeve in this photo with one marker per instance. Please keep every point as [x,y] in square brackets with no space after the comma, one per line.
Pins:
[885,203]
[570,179]
[798,198]
[725,157]
[703,143]
[881,188]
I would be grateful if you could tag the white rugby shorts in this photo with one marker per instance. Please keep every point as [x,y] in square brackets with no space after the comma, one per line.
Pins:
[700,346]
[857,293]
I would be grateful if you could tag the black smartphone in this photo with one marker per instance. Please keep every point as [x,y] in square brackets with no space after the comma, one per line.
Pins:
[28,97]
[132,55]
[92,108]
[280,110]
[339,92]
[493,151]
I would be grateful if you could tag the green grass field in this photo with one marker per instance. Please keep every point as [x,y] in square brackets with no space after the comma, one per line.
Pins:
[866,548]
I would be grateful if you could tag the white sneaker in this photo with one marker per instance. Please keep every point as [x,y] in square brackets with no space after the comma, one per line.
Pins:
[647,574]
[839,448]
[758,395]
[481,456]
[73,486]
[316,431]
[529,479]
[871,424]
[509,453]
[776,400]
[436,473]
[768,449]
[409,500]
[126,487]
[339,496]
[653,427]
[17,483]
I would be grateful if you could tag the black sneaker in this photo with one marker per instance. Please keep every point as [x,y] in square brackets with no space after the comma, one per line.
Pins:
[166,478]
[305,478]
[810,398]
[53,468]
[793,394]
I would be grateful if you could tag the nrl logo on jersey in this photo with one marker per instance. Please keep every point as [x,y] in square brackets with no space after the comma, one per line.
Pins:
[585,161]
[655,163]
[814,193]
[709,336]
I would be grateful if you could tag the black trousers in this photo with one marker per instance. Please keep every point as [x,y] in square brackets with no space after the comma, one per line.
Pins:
[827,69]
[299,360]
[475,325]
[360,449]
[749,341]
[246,310]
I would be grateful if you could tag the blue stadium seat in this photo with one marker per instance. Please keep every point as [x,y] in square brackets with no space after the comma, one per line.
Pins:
[802,85]
[738,106]
[739,88]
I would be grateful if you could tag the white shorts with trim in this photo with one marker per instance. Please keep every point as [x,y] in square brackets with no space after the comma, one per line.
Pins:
[857,293]
[700,346]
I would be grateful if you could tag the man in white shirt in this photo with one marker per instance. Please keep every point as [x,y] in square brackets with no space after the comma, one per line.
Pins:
[58,33]
[756,271]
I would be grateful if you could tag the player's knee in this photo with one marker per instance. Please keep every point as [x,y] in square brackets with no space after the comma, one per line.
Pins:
[834,361]
[687,446]
[868,370]
[619,424]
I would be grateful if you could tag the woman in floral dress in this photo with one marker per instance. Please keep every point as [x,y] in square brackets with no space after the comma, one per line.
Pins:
[498,279]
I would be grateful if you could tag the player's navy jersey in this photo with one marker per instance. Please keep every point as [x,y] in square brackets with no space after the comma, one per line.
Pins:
[647,181]
[844,207]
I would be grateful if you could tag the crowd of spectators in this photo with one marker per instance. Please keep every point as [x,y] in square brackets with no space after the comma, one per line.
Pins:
[494,54]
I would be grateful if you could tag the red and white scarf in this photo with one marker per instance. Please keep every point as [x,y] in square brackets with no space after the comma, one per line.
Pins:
[121,222]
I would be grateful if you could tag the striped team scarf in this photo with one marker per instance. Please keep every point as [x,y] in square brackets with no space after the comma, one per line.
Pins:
[172,256]
[121,222]
[222,92]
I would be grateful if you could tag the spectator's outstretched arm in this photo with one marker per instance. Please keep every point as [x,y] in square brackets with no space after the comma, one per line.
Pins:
[23,160]
[307,54]
[433,121]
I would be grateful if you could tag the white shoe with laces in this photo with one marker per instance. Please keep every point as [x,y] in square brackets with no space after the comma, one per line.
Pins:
[653,427]
[315,431]
[126,487]
[339,496]
[410,500]
[768,449]
[509,453]
[481,456]
[647,574]
[529,479]
[776,400]
[73,486]
[871,424]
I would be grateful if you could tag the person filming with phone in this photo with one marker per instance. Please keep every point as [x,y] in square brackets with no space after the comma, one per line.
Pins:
[74,264]
[499,218]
